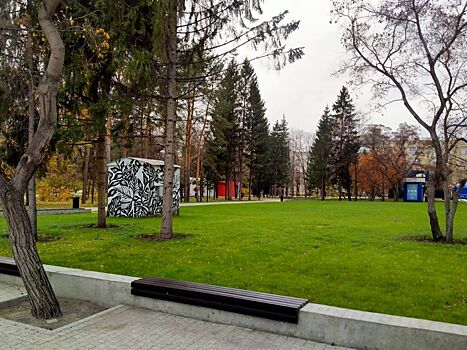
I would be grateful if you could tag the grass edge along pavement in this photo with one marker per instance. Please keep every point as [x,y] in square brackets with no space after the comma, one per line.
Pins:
[335,253]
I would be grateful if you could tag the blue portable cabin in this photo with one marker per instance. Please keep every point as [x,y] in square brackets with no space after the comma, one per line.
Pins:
[414,189]
[463,192]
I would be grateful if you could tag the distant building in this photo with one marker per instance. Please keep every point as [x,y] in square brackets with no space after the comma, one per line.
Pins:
[426,158]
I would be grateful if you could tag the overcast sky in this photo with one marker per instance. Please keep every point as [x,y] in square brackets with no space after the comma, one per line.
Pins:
[303,89]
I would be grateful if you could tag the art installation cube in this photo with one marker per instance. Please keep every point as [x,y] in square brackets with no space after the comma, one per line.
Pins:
[136,187]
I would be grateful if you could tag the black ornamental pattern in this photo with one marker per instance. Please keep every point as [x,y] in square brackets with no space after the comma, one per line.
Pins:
[135,189]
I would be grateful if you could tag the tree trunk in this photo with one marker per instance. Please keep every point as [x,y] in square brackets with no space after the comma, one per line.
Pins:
[240,174]
[355,182]
[108,138]
[31,130]
[339,184]
[450,216]
[171,50]
[249,183]
[199,182]
[396,193]
[92,184]
[44,304]
[200,186]
[187,155]
[101,179]
[124,138]
[434,223]
[323,188]
[87,155]
[228,195]
[384,190]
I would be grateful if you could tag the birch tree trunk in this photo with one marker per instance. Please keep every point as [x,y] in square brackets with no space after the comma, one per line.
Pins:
[44,303]
[171,49]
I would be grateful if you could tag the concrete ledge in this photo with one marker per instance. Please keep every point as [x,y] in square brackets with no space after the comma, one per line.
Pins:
[59,211]
[320,323]
[367,330]
[217,316]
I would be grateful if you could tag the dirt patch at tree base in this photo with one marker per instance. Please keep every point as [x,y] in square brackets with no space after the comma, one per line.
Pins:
[107,226]
[40,238]
[73,310]
[158,238]
[426,239]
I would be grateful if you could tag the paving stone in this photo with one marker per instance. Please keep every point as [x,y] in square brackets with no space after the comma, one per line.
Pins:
[132,328]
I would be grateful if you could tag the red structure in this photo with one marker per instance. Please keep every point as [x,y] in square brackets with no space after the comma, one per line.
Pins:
[222,189]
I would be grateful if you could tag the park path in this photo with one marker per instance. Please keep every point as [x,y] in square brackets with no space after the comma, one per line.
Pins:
[124,327]
[265,200]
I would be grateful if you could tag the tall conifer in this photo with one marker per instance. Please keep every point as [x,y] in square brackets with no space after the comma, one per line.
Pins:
[345,143]
[318,165]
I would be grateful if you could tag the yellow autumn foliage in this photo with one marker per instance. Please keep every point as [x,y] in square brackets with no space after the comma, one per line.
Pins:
[61,180]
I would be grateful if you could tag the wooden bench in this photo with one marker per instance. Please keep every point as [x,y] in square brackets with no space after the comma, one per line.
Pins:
[275,307]
[8,267]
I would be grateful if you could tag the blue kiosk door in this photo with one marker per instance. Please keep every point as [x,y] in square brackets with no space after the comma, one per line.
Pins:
[413,192]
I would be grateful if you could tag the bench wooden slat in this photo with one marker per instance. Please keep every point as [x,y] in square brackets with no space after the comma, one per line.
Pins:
[252,303]
[212,288]
[8,267]
[212,295]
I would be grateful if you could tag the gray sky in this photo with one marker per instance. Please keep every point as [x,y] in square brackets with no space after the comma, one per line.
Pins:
[302,90]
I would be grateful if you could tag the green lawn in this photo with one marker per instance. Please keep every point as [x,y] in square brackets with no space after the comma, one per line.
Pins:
[336,253]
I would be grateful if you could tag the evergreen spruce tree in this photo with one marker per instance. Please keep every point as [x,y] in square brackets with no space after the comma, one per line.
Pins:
[257,140]
[345,143]
[279,156]
[318,165]
[221,148]
[247,75]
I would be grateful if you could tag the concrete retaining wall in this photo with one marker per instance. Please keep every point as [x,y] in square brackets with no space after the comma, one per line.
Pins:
[325,324]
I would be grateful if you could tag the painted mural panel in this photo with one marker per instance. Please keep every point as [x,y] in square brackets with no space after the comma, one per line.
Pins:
[135,188]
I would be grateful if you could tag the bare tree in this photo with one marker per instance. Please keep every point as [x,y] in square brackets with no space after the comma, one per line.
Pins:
[390,150]
[416,48]
[300,143]
[44,303]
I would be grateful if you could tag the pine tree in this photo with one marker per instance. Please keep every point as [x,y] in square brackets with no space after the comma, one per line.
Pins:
[345,143]
[318,165]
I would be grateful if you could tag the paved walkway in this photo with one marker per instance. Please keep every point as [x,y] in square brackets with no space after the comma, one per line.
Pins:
[266,200]
[124,327]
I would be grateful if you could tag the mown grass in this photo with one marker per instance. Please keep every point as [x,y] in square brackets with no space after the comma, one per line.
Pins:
[336,253]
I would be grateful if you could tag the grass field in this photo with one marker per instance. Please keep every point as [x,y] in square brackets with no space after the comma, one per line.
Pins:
[336,253]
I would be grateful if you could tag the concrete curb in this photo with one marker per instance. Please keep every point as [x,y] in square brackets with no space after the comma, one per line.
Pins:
[320,323]
[59,211]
